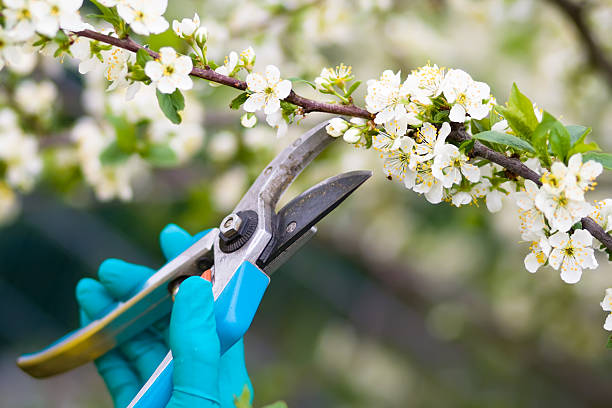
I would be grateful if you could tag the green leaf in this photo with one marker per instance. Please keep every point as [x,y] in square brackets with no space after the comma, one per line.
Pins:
[161,155]
[539,141]
[171,105]
[137,73]
[238,101]
[313,86]
[244,400]
[506,140]
[559,138]
[441,116]
[609,345]
[142,57]
[467,146]
[519,114]
[113,155]
[126,133]
[521,105]
[578,134]
[108,14]
[604,158]
[352,89]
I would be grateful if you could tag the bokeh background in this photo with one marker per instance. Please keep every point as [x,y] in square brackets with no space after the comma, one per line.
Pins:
[396,303]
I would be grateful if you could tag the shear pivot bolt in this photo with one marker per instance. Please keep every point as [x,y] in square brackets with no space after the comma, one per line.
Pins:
[231,225]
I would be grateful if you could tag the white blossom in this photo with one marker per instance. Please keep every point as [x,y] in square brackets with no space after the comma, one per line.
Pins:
[531,218]
[582,176]
[108,181]
[268,90]
[44,92]
[145,17]
[560,210]
[572,254]
[50,15]
[385,97]
[466,95]
[606,305]
[276,120]
[187,26]
[602,214]
[449,164]
[429,141]
[538,253]
[425,183]
[12,52]
[19,152]
[425,83]
[19,19]
[171,71]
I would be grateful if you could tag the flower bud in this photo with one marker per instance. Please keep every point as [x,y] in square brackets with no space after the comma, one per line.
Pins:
[201,36]
[187,27]
[336,127]
[353,135]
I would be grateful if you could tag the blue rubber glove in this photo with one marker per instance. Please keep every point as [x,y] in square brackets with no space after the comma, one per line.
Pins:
[202,378]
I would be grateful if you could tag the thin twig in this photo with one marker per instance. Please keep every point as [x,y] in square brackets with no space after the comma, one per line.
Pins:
[458,134]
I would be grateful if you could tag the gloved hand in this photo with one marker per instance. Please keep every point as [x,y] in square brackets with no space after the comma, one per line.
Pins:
[202,378]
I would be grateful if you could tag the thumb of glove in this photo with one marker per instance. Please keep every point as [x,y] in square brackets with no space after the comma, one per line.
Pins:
[195,346]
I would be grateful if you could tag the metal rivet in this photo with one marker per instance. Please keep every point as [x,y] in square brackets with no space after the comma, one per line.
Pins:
[291,227]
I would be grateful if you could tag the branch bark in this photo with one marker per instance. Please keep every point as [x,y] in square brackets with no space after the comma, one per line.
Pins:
[458,134]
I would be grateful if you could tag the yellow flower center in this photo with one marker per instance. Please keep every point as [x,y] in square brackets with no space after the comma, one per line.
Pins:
[168,70]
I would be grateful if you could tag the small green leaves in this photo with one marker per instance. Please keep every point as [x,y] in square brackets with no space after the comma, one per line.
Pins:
[352,89]
[506,140]
[604,158]
[578,134]
[238,101]
[160,155]
[609,345]
[551,133]
[142,57]
[113,155]
[111,16]
[298,80]
[467,146]
[519,114]
[559,138]
[172,105]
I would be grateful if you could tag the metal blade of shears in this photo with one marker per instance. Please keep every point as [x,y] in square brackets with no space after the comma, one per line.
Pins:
[301,214]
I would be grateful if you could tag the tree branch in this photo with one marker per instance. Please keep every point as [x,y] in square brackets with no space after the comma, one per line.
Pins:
[458,134]
[595,52]
[308,105]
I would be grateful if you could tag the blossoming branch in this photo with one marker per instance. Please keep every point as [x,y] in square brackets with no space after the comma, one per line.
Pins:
[438,131]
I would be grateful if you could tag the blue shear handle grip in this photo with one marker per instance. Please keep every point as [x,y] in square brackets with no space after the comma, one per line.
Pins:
[236,305]
[234,311]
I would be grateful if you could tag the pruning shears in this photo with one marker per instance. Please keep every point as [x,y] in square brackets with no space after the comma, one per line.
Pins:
[238,258]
